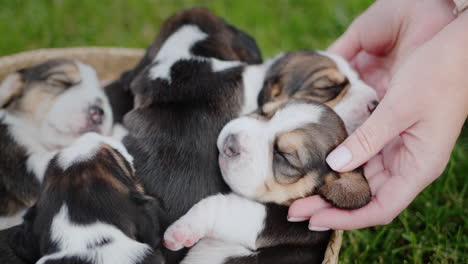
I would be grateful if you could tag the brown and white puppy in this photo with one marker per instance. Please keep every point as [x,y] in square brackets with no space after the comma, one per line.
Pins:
[43,109]
[91,210]
[269,160]
[317,75]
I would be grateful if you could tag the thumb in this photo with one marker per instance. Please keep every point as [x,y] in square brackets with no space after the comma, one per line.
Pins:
[385,123]
[348,45]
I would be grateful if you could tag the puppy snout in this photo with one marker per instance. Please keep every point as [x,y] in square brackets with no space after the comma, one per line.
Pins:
[372,105]
[96,114]
[231,147]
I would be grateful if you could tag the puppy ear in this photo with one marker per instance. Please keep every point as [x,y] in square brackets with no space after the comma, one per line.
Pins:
[148,225]
[11,86]
[23,241]
[349,191]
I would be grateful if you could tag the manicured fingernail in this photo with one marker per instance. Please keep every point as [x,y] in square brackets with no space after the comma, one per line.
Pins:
[297,219]
[339,158]
[318,228]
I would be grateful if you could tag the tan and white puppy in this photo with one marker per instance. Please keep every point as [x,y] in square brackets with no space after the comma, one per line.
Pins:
[269,160]
[43,109]
[317,75]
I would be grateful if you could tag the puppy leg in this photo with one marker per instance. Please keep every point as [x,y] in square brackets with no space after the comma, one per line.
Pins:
[211,251]
[350,191]
[228,218]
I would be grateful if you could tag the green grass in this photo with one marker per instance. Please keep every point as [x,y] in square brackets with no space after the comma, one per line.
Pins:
[432,230]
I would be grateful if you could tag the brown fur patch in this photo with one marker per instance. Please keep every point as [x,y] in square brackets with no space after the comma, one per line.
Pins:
[285,194]
[350,191]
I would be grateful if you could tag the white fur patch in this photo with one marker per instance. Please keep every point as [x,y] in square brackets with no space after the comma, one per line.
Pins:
[353,107]
[85,148]
[253,78]
[25,134]
[249,170]
[214,252]
[73,240]
[10,221]
[230,218]
[177,47]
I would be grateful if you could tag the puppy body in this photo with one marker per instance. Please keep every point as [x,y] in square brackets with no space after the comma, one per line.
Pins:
[269,160]
[44,108]
[190,88]
[90,210]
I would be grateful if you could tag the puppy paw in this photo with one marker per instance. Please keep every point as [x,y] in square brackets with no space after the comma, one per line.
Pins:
[347,192]
[180,235]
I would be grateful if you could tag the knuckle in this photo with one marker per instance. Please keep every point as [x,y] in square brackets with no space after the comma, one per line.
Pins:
[365,139]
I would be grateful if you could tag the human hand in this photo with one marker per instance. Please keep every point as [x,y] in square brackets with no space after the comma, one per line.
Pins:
[418,122]
[379,40]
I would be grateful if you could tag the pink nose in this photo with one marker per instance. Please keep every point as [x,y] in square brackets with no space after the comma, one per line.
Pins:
[231,146]
[96,114]
[372,105]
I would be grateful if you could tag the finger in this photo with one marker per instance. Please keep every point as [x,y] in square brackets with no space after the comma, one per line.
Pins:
[302,209]
[348,45]
[374,166]
[378,181]
[391,199]
[385,123]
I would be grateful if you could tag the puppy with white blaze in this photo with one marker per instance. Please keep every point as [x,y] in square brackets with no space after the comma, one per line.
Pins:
[269,159]
[308,74]
[91,210]
[43,109]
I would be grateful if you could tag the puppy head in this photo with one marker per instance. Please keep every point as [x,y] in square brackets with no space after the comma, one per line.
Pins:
[225,42]
[92,181]
[279,156]
[62,98]
[323,77]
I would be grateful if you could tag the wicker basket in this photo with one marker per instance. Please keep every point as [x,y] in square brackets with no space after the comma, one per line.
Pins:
[110,63]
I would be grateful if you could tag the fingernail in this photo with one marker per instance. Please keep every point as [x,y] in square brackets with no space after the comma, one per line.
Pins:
[297,219]
[338,158]
[318,228]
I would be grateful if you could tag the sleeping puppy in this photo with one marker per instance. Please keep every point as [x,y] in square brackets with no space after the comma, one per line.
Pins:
[234,45]
[43,109]
[317,75]
[269,160]
[90,210]
[191,88]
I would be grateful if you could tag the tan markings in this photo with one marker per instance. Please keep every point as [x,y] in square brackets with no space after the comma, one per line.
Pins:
[11,86]
[270,108]
[289,142]
[66,72]
[36,102]
[340,97]
[285,194]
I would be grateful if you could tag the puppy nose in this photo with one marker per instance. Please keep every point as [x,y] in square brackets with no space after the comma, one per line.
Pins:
[231,146]
[96,114]
[372,105]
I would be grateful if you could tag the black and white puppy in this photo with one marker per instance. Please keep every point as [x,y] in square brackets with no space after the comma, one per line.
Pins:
[43,109]
[317,75]
[90,210]
[191,87]
[269,160]
[214,39]
[183,98]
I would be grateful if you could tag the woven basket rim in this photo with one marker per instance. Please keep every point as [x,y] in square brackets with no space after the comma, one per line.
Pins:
[15,61]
